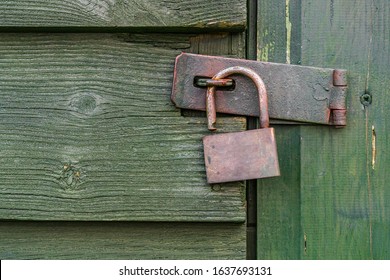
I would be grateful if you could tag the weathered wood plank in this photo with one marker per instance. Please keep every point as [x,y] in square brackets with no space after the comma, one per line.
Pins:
[89,133]
[344,197]
[121,240]
[279,215]
[378,129]
[183,15]
[271,28]
[278,199]
[279,31]
[336,185]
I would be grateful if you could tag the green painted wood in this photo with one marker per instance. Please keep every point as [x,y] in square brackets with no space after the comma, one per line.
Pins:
[345,197]
[278,202]
[89,132]
[121,240]
[271,28]
[278,199]
[378,130]
[343,208]
[166,14]
[279,31]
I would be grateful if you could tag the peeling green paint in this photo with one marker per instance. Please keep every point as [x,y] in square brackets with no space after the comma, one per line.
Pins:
[288,32]
[266,48]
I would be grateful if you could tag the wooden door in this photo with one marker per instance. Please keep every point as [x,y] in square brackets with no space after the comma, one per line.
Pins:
[97,163]
[333,198]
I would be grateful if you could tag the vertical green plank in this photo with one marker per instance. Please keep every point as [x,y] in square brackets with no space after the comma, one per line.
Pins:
[279,232]
[252,123]
[272,33]
[278,199]
[378,128]
[335,173]
[344,199]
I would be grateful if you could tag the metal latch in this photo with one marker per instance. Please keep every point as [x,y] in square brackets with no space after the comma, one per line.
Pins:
[295,93]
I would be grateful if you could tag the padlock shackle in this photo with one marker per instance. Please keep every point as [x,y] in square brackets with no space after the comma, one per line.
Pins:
[263,97]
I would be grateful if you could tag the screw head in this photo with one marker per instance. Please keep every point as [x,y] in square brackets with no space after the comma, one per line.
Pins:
[366,99]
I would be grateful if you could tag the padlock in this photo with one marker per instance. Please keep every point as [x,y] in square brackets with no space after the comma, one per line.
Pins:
[245,155]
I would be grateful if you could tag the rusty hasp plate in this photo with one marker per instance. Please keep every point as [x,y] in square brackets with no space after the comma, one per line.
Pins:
[295,93]
[241,156]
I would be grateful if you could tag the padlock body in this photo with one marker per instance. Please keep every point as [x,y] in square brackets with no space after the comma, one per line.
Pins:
[238,156]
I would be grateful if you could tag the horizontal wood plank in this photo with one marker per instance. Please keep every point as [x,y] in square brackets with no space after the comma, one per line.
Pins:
[121,240]
[165,14]
[89,133]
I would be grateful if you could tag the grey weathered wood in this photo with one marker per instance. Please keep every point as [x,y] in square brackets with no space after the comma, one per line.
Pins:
[88,132]
[117,240]
[149,14]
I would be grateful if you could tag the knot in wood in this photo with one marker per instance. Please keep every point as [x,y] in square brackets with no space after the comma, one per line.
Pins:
[83,103]
[70,176]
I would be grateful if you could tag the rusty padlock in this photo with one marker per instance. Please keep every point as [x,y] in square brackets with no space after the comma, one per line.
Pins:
[245,155]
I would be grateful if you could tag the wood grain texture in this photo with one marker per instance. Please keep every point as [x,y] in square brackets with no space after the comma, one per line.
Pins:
[278,202]
[278,199]
[378,130]
[279,31]
[121,240]
[223,14]
[345,197]
[88,132]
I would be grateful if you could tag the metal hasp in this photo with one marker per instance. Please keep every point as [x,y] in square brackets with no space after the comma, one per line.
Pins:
[295,93]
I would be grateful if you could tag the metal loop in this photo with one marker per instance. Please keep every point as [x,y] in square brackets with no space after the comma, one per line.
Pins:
[263,97]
